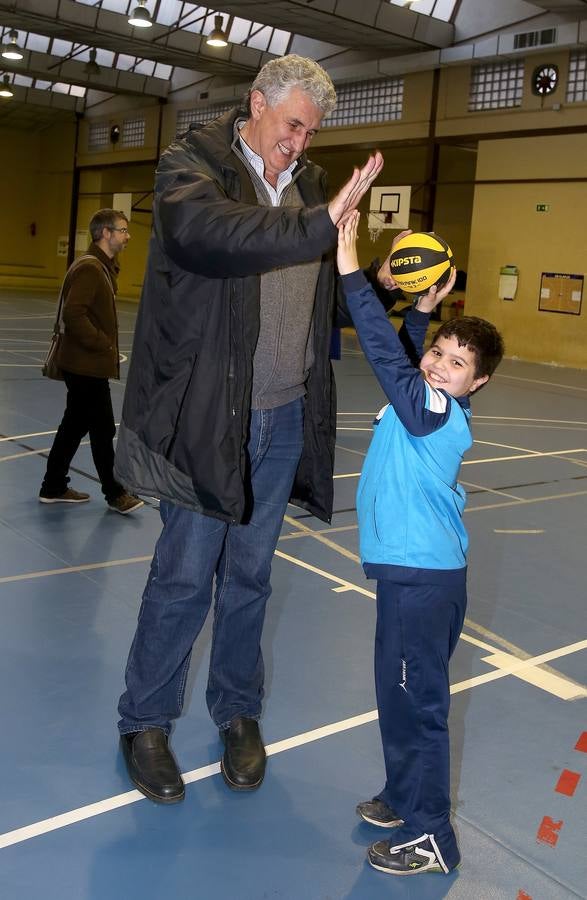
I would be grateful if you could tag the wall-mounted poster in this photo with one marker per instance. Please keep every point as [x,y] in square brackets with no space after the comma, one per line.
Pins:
[561,293]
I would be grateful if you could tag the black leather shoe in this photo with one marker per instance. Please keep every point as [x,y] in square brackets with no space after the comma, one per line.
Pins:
[151,765]
[243,763]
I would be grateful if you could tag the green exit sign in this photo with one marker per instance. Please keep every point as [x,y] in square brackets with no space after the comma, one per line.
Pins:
[542,207]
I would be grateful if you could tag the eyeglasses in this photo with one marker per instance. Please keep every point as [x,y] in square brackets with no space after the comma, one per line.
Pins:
[122,230]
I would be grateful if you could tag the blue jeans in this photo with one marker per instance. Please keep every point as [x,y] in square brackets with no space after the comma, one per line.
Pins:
[191,550]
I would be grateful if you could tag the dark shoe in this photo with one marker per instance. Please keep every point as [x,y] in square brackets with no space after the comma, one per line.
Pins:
[125,503]
[68,496]
[376,812]
[243,763]
[151,765]
[406,859]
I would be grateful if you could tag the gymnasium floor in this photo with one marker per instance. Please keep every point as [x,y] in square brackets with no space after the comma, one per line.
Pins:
[70,584]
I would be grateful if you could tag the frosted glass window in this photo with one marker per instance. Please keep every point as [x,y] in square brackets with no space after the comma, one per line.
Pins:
[577,77]
[366,102]
[279,42]
[496,86]
[144,67]
[260,37]
[133,133]
[125,62]
[163,71]
[239,30]
[104,57]
[37,42]
[201,116]
[61,48]
[438,9]
[23,80]
[98,135]
[169,11]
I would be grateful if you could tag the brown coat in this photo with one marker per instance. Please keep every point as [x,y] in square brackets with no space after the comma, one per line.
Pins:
[89,345]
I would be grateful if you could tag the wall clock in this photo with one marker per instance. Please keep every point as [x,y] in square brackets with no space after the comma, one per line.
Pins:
[544,79]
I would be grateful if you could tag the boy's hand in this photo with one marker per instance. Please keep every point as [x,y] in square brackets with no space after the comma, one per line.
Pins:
[427,302]
[346,257]
[384,276]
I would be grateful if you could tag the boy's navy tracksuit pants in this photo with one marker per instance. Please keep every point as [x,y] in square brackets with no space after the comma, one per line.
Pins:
[418,626]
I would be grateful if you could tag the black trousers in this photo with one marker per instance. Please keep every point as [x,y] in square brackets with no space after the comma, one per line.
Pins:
[88,409]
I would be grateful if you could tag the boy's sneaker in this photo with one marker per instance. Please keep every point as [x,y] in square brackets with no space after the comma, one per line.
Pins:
[125,503]
[406,859]
[376,812]
[68,496]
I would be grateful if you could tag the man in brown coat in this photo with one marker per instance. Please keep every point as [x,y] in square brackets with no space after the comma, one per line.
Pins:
[88,357]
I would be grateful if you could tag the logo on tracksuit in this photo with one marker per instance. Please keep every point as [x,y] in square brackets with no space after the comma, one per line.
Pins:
[404,680]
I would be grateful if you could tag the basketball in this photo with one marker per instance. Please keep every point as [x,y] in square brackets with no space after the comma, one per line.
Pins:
[420,261]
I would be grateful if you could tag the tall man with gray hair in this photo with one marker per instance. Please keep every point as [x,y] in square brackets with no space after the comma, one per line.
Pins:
[230,410]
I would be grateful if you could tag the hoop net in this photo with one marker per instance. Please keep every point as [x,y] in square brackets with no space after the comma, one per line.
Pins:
[375,224]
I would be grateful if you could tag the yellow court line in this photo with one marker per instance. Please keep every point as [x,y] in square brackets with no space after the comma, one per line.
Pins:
[317,535]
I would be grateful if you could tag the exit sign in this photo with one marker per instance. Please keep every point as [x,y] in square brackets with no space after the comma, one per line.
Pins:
[542,207]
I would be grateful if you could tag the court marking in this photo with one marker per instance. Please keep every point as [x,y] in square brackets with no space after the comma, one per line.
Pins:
[45,826]
[566,387]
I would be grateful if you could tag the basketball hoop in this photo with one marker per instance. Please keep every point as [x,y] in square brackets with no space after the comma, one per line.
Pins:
[375,225]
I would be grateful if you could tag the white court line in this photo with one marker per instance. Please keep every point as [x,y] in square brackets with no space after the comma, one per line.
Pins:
[488,490]
[45,826]
[529,454]
[566,387]
[524,419]
[21,437]
[518,530]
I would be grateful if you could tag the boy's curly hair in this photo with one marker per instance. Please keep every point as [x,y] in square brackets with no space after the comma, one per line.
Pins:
[480,337]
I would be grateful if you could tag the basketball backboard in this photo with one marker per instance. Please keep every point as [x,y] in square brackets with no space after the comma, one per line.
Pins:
[389,207]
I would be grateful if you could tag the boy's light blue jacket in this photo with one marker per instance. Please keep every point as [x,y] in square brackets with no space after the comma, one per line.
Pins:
[409,503]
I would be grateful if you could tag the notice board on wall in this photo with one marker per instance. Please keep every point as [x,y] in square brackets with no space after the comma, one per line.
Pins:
[561,293]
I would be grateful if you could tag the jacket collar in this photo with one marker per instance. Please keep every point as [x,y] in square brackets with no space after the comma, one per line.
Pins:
[112,264]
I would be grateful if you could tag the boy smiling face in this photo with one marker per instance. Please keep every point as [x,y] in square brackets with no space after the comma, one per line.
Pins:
[451,367]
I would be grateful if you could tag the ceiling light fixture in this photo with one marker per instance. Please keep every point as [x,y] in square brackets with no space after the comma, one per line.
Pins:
[11,50]
[217,38]
[5,89]
[140,17]
[92,67]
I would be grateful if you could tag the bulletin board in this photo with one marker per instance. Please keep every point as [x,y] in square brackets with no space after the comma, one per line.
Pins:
[561,293]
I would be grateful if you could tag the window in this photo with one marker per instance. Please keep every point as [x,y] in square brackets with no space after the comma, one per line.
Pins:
[201,116]
[98,135]
[364,102]
[496,86]
[577,80]
[133,133]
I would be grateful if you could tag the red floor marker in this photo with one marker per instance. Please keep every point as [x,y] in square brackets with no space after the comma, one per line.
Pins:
[567,783]
[548,831]
[522,895]
[582,743]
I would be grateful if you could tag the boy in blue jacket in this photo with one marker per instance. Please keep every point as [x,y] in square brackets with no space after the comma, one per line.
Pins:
[413,542]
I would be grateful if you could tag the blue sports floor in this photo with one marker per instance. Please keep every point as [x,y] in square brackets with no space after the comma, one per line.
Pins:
[70,586]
